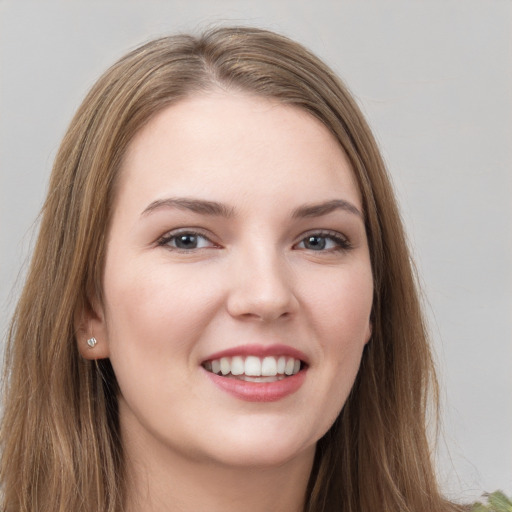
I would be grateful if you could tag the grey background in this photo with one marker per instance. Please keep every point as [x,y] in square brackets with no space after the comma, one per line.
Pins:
[435,81]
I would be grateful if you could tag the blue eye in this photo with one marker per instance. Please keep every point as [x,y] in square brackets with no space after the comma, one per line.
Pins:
[324,242]
[185,241]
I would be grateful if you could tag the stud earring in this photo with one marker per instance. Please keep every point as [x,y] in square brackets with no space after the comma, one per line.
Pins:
[92,342]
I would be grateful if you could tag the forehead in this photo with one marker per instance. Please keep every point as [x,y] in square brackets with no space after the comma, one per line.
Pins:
[234,143]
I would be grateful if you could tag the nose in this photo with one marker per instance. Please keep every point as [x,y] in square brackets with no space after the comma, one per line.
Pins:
[262,288]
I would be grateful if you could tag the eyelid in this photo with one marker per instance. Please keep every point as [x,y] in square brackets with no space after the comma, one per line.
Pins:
[164,240]
[343,242]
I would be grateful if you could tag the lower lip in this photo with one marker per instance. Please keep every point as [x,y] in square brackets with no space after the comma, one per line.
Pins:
[259,391]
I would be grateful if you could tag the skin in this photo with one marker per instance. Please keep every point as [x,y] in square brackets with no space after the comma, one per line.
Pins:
[253,278]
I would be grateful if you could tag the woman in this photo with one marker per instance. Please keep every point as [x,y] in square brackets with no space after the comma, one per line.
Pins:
[221,312]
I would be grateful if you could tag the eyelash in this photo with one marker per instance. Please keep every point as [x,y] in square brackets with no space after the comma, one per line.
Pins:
[166,239]
[341,242]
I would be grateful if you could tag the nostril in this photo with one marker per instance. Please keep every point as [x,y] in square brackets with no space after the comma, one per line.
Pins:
[261,309]
[264,291]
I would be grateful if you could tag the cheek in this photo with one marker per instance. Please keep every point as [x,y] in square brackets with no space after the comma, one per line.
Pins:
[340,312]
[155,317]
[341,308]
[343,320]
[159,303]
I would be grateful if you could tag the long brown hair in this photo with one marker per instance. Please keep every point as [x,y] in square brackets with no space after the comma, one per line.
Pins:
[59,437]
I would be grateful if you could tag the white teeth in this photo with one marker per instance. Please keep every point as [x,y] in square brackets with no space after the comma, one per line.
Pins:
[266,369]
[262,379]
[237,365]
[288,369]
[225,365]
[253,366]
[269,367]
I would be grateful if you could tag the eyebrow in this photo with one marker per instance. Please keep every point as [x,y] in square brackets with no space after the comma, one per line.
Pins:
[319,209]
[200,206]
[205,207]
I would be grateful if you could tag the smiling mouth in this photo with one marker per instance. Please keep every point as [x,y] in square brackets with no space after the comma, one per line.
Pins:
[255,369]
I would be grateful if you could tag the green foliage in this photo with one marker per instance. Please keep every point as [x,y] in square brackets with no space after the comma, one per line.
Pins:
[496,502]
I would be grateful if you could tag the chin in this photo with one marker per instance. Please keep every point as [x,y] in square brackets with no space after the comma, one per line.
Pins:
[262,449]
[263,457]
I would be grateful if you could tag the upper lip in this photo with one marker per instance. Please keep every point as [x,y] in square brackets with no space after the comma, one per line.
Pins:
[259,351]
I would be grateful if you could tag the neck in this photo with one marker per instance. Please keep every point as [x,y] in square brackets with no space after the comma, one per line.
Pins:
[178,484]
[161,478]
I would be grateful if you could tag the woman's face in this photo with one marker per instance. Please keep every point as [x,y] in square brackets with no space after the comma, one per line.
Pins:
[237,283]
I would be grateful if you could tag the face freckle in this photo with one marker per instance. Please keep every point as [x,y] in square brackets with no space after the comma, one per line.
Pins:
[237,240]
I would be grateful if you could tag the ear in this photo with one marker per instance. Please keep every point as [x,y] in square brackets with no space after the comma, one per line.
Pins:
[90,323]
